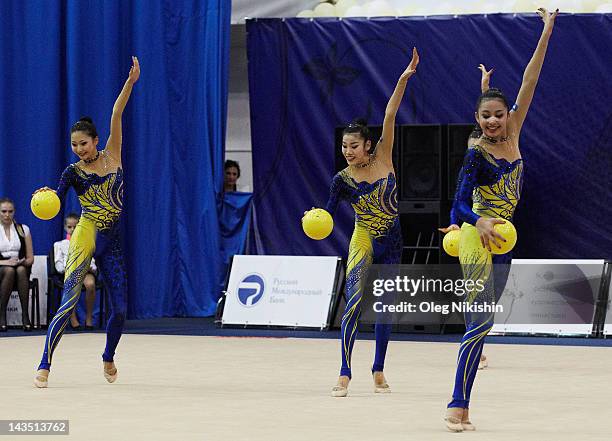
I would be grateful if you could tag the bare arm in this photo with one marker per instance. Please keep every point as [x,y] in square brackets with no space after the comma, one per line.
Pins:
[532,71]
[29,254]
[113,145]
[385,145]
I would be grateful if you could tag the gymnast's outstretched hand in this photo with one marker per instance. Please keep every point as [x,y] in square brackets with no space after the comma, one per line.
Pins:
[548,18]
[411,69]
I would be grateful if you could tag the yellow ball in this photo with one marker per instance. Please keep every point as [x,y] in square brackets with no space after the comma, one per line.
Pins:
[451,243]
[45,204]
[317,224]
[508,232]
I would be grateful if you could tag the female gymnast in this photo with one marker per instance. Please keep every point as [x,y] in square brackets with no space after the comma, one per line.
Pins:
[369,184]
[485,81]
[489,190]
[98,181]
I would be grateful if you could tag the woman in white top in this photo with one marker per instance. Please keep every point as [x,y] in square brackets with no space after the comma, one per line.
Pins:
[16,259]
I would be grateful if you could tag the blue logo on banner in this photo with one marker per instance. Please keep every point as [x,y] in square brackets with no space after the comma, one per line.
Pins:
[251,290]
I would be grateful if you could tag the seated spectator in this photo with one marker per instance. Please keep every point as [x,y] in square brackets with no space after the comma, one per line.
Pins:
[16,259]
[232,173]
[60,251]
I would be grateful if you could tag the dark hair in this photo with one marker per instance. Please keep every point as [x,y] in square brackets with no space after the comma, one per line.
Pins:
[490,94]
[71,216]
[359,126]
[229,163]
[85,124]
[7,200]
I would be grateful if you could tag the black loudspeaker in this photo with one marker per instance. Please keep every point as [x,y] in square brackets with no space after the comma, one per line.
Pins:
[458,139]
[421,162]
[420,221]
[375,133]
[427,159]
[431,157]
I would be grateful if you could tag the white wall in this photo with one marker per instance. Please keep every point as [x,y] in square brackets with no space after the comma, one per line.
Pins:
[238,135]
[268,8]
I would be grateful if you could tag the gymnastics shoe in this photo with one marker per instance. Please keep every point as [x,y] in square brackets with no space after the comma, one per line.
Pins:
[41,381]
[339,391]
[483,363]
[381,387]
[110,374]
[453,423]
[468,426]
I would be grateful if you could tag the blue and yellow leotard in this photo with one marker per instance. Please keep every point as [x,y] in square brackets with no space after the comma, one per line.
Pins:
[488,187]
[376,239]
[97,234]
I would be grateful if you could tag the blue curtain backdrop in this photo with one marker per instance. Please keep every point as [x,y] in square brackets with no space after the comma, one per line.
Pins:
[234,222]
[307,77]
[65,59]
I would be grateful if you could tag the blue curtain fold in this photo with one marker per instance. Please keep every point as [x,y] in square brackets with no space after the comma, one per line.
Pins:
[307,77]
[65,59]
[234,223]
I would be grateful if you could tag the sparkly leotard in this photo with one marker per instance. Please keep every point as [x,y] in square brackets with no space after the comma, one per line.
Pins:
[376,239]
[487,187]
[97,234]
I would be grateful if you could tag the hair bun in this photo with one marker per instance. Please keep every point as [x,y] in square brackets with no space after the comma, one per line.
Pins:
[84,124]
[492,94]
[361,122]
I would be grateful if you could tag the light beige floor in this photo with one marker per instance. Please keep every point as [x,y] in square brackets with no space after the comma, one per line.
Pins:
[211,388]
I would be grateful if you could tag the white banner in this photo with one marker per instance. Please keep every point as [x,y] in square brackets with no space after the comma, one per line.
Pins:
[556,297]
[280,290]
[13,310]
